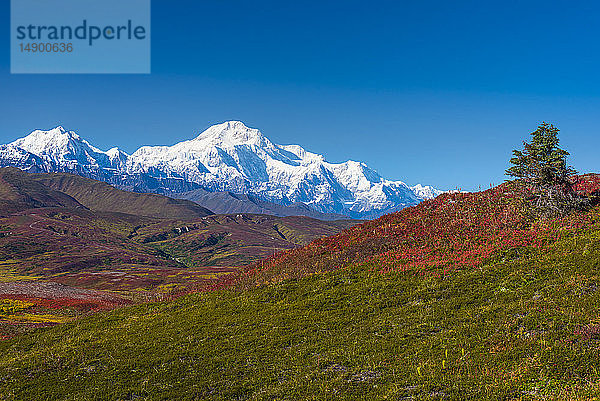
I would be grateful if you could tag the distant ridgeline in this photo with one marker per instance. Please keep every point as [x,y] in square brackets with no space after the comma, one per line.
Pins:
[228,168]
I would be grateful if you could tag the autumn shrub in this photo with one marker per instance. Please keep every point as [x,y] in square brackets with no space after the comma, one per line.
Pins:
[453,231]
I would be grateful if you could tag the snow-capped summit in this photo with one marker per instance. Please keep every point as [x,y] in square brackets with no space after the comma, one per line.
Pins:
[66,149]
[426,192]
[117,157]
[226,157]
[56,142]
[232,133]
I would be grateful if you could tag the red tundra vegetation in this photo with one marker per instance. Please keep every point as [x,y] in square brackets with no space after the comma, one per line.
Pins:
[452,231]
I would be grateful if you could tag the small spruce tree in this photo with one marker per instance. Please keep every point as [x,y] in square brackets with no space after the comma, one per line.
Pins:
[542,165]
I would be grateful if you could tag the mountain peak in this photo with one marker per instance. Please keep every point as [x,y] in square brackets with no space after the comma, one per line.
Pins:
[39,140]
[115,152]
[426,191]
[56,134]
[58,130]
[229,156]
[58,145]
[232,133]
[234,124]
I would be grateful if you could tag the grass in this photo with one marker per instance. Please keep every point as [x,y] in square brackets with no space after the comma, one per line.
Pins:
[523,325]
[9,306]
[35,318]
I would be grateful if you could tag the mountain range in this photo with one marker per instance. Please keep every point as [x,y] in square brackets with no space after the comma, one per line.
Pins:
[228,168]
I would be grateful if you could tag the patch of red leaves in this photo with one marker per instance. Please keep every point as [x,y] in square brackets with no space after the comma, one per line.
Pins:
[452,231]
[78,304]
[588,184]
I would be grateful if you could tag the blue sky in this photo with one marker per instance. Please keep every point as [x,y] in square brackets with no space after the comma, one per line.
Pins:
[431,92]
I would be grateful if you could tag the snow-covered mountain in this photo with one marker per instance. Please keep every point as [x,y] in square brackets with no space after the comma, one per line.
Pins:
[226,157]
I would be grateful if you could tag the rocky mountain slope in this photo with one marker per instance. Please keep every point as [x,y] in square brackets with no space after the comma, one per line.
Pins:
[225,202]
[21,191]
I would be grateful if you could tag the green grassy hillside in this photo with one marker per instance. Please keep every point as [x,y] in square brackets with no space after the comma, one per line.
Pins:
[519,322]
